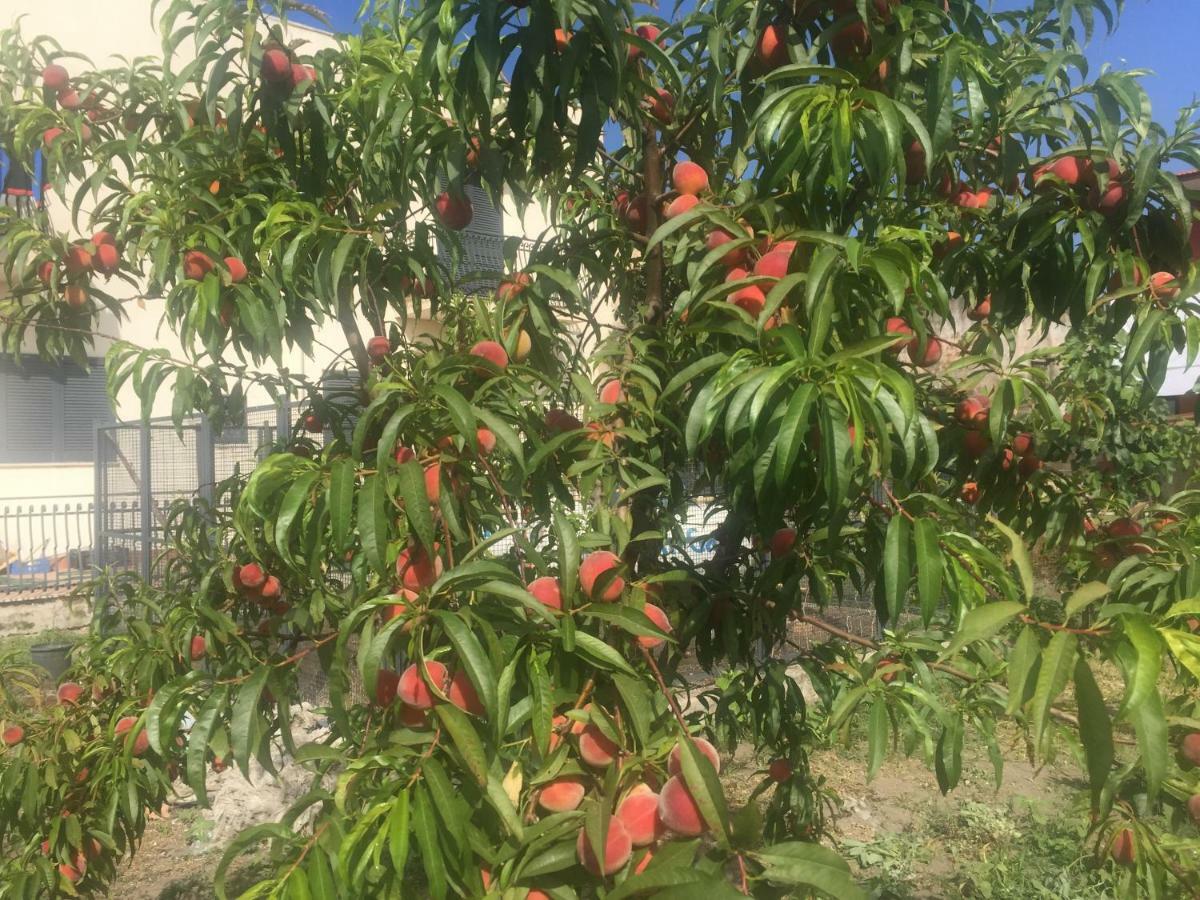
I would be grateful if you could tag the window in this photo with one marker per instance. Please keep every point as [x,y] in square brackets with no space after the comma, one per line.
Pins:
[49,411]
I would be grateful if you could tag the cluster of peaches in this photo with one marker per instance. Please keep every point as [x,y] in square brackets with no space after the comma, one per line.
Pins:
[1123,846]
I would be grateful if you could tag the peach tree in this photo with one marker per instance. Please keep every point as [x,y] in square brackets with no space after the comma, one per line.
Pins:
[890,280]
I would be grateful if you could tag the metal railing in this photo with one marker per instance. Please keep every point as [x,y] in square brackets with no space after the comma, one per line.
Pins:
[45,545]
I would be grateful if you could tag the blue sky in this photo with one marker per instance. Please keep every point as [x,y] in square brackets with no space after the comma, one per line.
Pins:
[1162,35]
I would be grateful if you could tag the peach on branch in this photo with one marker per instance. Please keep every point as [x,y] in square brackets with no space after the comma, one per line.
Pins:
[433,481]
[638,812]
[562,795]
[303,76]
[915,163]
[1122,848]
[782,542]
[454,212]
[55,77]
[276,67]
[106,260]
[72,872]
[50,135]
[611,392]
[972,412]
[12,735]
[251,576]
[970,492]
[780,770]
[981,310]
[69,99]
[617,850]
[1193,807]
[719,238]
[45,272]
[512,285]
[416,569]
[851,43]
[1124,527]
[414,690]
[236,269]
[770,50]
[898,326]
[689,178]
[1023,444]
[562,40]
[69,692]
[925,356]
[1164,286]
[196,264]
[596,748]
[1070,170]
[594,573]
[492,352]
[486,439]
[378,348]
[198,648]
[675,760]
[678,810]
[662,106]
[681,204]
[976,443]
[77,260]
[75,295]
[773,265]
[312,423]
[462,694]
[656,615]
[1189,749]
[546,591]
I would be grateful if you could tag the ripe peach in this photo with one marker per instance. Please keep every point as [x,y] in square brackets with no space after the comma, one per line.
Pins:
[662,107]
[12,735]
[312,423]
[77,260]
[124,725]
[462,694]
[1023,444]
[547,591]
[236,268]
[1163,286]
[70,872]
[773,264]
[1189,749]
[486,439]
[69,692]
[562,39]
[594,566]
[411,717]
[970,492]
[1112,200]
[981,310]
[414,690]
[55,77]
[675,761]
[562,795]
[196,264]
[455,213]
[302,75]
[749,298]
[972,412]
[779,770]
[101,238]
[1007,458]
[719,238]
[1193,806]
[75,295]
[915,163]
[251,575]
[512,285]
[851,42]
[928,356]
[415,569]
[276,67]
[386,683]
[633,212]
[106,260]
[69,99]
[689,178]
[648,32]
[638,812]
[680,205]
[678,810]
[491,351]
[524,345]
[1125,527]
[50,135]
[954,241]
[770,50]
[612,392]
[1122,848]
[1028,465]
[433,481]
[782,542]
[198,647]
[1069,169]
[617,850]
[897,325]
[660,620]
[976,443]
[378,348]
[45,272]
[595,747]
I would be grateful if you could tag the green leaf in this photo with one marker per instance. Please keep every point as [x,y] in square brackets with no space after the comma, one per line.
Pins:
[198,738]
[982,622]
[426,831]
[897,565]
[702,780]
[1022,662]
[929,567]
[600,653]
[372,520]
[244,840]
[398,833]
[811,865]
[411,480]
[462,732]
[471,656]
[245,717]
[1083,596]
[1020,556]
[1095,729]
[1058,661]
[341,500]
[568,557]
[877,737]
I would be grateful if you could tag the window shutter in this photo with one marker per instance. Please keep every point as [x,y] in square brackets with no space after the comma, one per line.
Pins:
[48,412]
[85,405]
[482,242]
